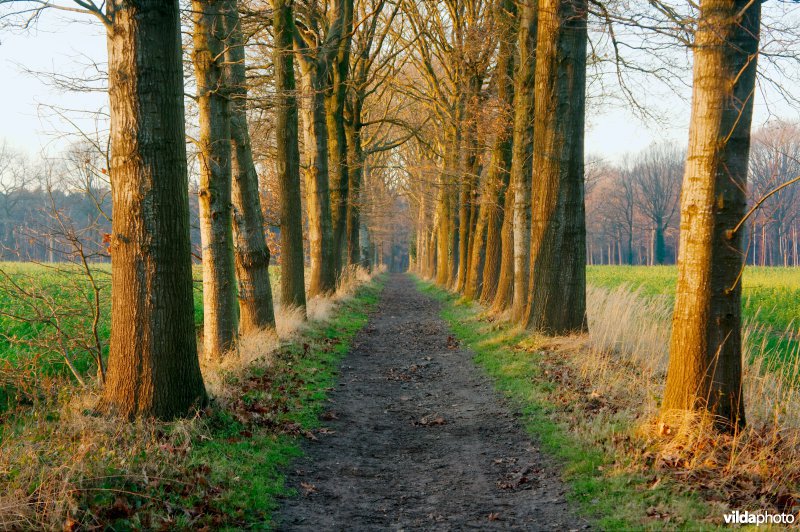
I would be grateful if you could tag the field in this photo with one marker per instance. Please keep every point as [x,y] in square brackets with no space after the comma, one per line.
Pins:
[771,299]
[47,324]
[47,316]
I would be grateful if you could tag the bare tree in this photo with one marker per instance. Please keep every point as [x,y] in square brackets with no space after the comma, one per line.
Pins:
[774,160]
[657,173]
[287,159]
[251,254]
[317,38]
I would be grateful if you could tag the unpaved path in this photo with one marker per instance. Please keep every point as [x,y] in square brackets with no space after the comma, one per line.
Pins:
[420,439]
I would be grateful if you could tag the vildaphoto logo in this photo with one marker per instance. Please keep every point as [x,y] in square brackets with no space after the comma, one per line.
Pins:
[758,518]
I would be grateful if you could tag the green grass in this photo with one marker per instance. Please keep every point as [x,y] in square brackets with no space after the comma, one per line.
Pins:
[770,295]
[298,384]
[30,347]
[770,299]
[618,501]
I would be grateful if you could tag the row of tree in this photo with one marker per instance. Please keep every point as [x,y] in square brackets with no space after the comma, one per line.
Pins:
[513,234]
[474,110]
[324,71]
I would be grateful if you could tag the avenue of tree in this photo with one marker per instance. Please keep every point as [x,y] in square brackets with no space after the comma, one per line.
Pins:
[443,136]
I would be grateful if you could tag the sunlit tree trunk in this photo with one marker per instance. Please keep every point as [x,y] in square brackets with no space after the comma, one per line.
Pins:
[487,250]
[705,367]
[337,141]
[287,158]
[469,172]
[505,282]
[320,229]
[522,154]
[153,368]
[219,275]
[557,285]
[443,231]
[251,254]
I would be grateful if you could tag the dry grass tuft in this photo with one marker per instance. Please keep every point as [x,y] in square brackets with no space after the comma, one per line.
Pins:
[615,377]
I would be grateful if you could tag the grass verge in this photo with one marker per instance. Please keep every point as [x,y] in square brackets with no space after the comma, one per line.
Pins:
[222,469]
[592,442]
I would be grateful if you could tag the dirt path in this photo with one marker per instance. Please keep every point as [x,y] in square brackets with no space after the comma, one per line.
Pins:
[421,440]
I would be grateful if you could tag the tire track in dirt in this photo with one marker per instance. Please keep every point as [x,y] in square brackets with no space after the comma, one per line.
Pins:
[419,440]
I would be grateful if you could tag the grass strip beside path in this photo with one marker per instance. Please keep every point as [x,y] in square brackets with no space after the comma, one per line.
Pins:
[611,496]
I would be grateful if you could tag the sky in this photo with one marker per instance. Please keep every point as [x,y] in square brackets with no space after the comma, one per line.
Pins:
[60,44]
[57,44]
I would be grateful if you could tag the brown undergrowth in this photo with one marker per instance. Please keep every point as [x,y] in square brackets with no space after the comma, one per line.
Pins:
[610,384]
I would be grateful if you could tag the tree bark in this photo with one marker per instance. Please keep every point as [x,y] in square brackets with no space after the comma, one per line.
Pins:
[251,254]
[469,172]
[505,282]
[659,245]
[443,231]
[522,155]
[355,175]
[337,140]
[153,368]
[315,67]
[219,274]
[318,205]
[287,159]
[705,370]
[557,285]
[487,249]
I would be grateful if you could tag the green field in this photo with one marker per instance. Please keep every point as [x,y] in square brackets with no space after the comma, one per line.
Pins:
[47,310]
[771,299]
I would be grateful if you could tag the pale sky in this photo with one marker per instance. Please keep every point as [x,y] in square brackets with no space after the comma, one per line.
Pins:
[62,45]
[57,44]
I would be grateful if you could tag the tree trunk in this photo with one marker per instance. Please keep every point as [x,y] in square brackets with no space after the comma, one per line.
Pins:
[659,245]
[522,155]
[629,248]
[557,292]
[153,368]
[477,256]
[251,254]
[776,255]
[469,171]
[355,174]
[287,159]
[505,281]
[219,274]
[337,141]
[443,231]
[705,370]
[498,177]
[454,235]
[318,205]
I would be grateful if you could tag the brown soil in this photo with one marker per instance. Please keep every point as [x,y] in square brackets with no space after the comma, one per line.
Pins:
[419,440]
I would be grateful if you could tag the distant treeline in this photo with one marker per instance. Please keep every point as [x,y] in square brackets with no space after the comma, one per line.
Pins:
[632,208]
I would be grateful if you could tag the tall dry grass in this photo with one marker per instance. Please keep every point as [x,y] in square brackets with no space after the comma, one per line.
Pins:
[621,366]
[259,347]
